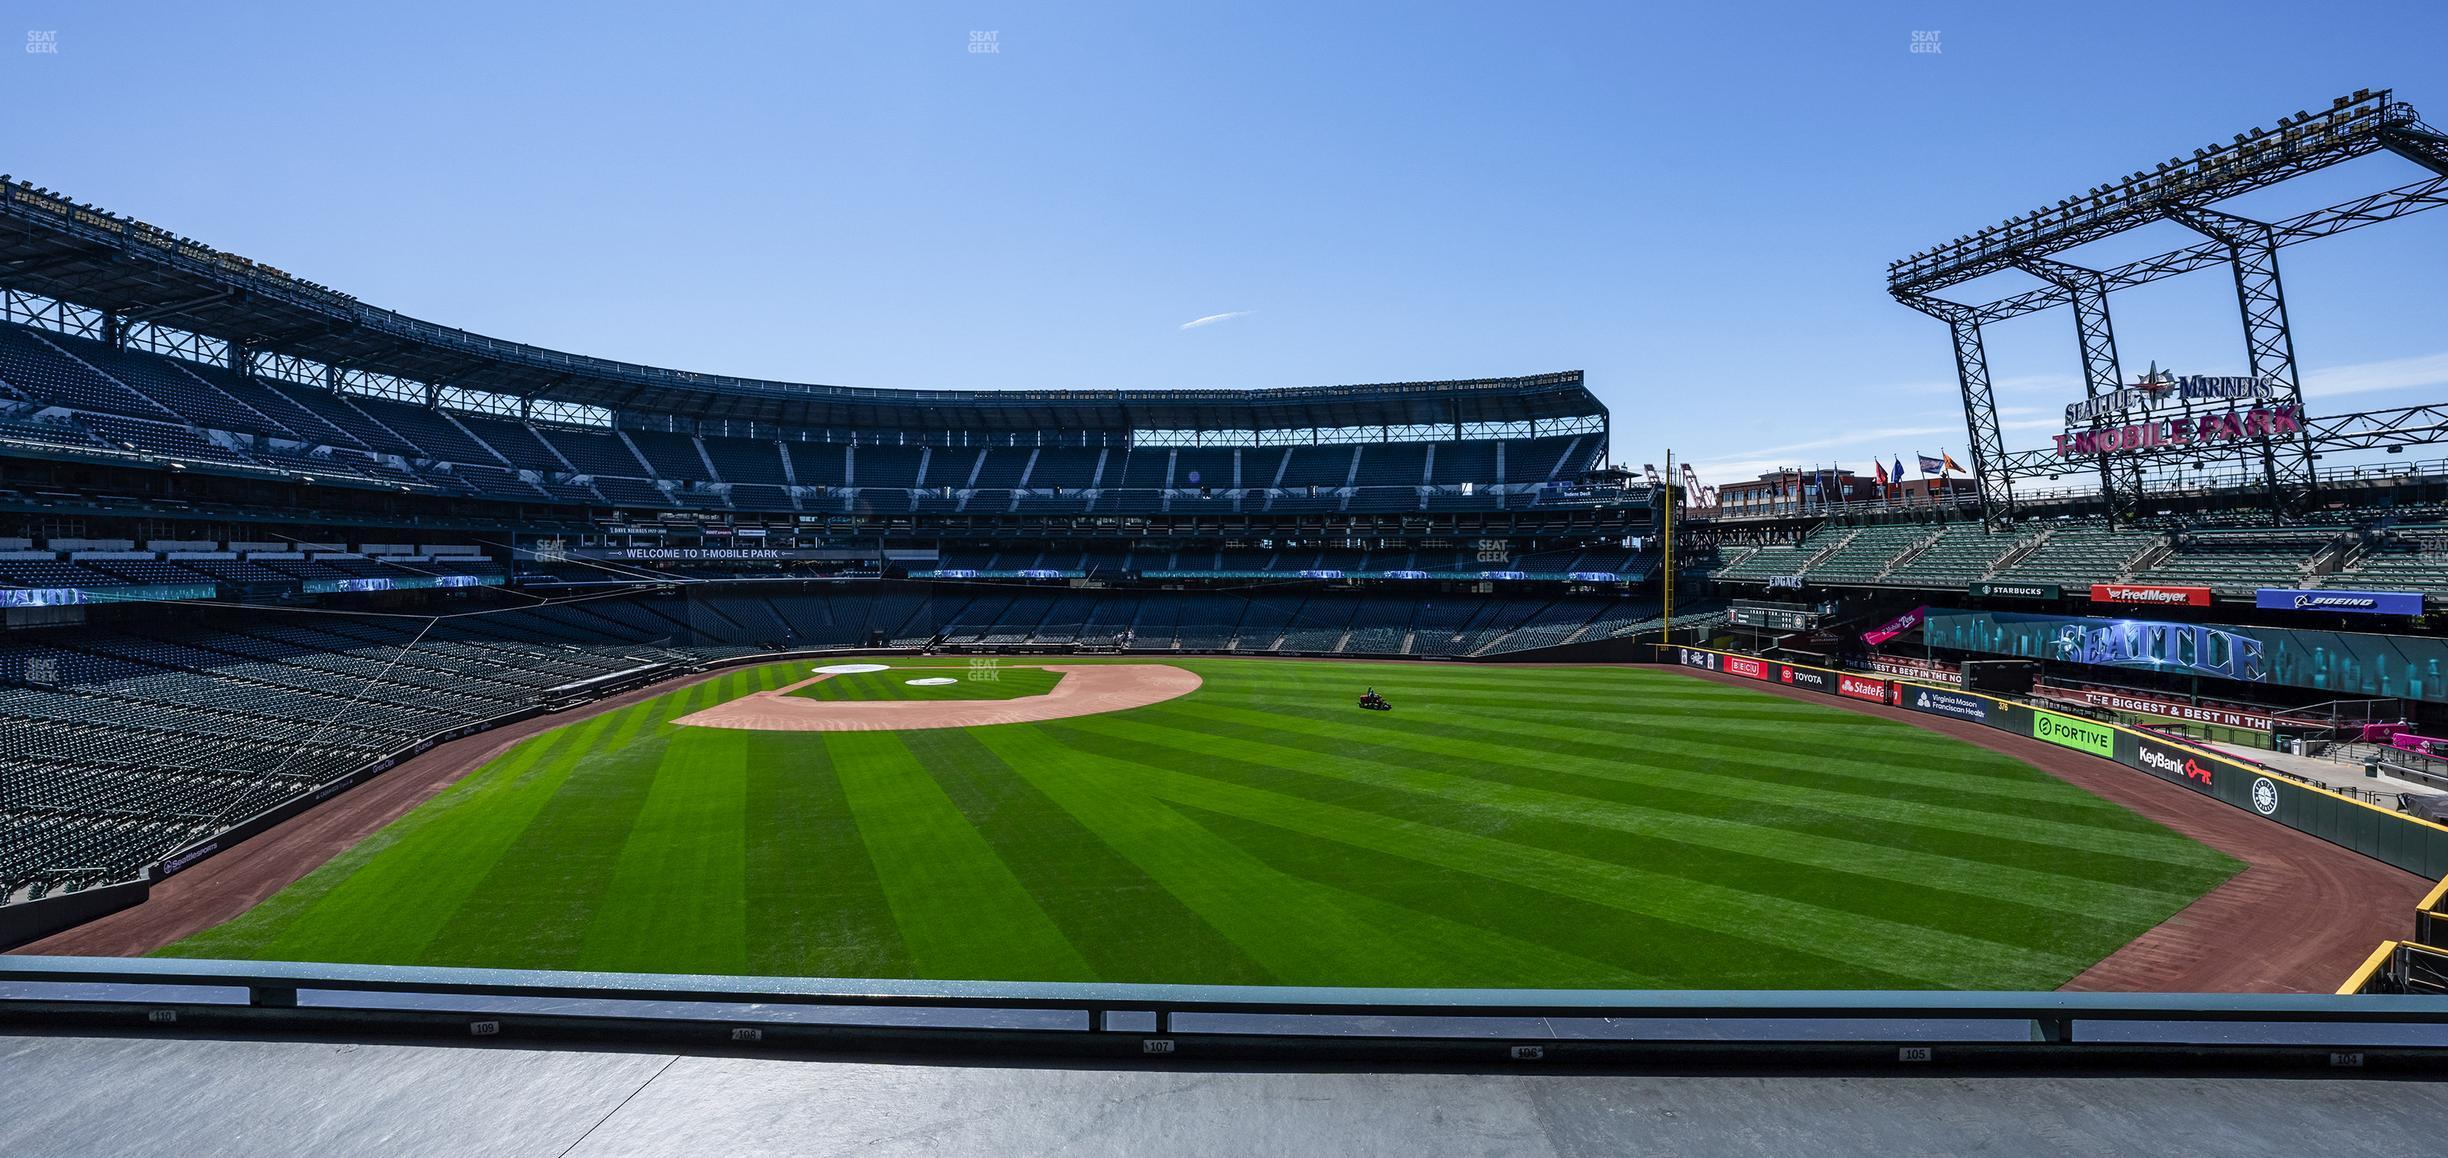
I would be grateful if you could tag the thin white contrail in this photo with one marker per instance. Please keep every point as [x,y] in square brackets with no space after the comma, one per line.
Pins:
[1212,319]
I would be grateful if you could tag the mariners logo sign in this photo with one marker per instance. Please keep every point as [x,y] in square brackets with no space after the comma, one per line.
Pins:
[2264,796]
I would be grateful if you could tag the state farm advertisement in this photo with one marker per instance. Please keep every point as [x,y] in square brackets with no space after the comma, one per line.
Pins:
[1858,688]
[2149,595]
[1745,666]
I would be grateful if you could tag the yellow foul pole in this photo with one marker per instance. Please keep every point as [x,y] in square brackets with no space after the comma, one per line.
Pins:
[1666,550]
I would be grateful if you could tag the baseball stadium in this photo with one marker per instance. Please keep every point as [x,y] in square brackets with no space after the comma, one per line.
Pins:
[388,675]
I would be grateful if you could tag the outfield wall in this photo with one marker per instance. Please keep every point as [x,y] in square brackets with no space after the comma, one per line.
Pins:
[2393,838]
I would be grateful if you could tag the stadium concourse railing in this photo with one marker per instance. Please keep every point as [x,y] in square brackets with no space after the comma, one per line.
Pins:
[2419,846]
[1211,1024]
[2416,965]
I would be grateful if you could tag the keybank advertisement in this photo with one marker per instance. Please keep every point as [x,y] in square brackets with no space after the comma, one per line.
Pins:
[2176,765]
[2345,663]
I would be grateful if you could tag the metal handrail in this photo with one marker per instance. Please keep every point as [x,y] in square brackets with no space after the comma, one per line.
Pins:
[276,983]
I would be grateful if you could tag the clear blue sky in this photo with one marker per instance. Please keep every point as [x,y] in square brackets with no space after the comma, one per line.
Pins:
[1695,204]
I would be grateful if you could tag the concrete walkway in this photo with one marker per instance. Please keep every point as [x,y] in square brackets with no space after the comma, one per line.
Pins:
[94,1096]
[2334,774]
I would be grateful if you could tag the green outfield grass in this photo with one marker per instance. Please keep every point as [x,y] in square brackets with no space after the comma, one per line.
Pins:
[1502,827]
[1006,683]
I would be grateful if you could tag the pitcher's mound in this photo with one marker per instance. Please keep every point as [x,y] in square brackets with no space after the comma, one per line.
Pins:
[1085,690]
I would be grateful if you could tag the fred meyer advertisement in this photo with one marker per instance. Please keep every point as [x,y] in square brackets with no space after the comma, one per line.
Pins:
[2148,595]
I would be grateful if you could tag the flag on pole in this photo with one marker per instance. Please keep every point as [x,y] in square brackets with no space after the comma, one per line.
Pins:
[1946,462]
[1899,470]
[1931,466]
[1880,472]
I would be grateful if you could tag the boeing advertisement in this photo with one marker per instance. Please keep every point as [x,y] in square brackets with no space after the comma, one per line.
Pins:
[2342,602]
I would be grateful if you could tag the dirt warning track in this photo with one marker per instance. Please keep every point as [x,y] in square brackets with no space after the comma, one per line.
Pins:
[1085,690]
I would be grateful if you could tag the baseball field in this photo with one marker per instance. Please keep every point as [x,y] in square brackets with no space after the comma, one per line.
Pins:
[1600,826]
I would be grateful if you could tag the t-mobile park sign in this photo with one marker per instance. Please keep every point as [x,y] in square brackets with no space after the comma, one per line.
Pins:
[2257,425]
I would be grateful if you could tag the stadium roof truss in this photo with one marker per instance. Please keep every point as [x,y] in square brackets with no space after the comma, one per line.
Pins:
[2182,191]
[102,273]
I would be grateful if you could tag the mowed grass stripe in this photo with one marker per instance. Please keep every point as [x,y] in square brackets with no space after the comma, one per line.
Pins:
[1501,827]
[1690,805]
[1634,941]
[1107,908]
[961,912]
[548,884]
[391,908]
[1735,775]
[1889,946]
[1763,875]
[1932,873]
[1303,933]
[675,899]
[1919,766]
[815,906]
[259,931]
[1912,765]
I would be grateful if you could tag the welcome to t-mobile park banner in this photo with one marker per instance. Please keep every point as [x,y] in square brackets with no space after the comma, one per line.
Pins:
[2343,663]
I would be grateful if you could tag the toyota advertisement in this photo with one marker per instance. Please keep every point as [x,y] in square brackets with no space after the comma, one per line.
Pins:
[1803,677]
